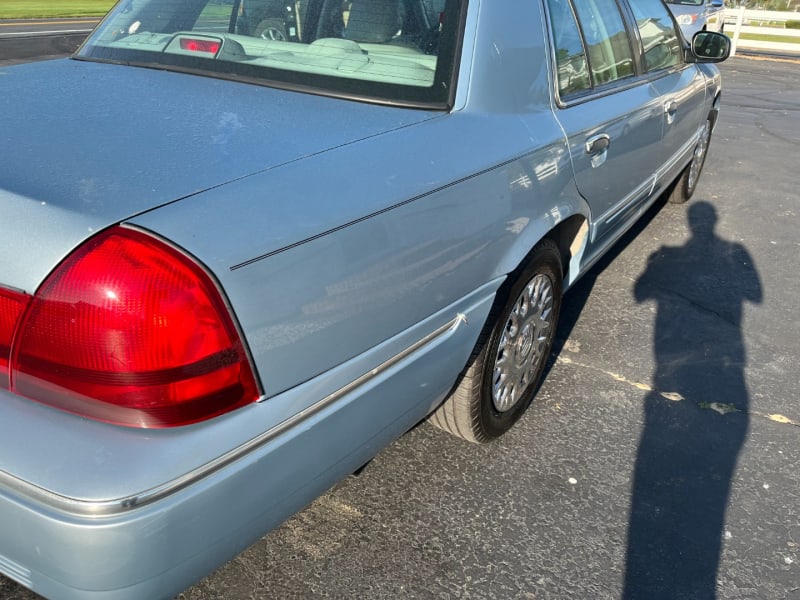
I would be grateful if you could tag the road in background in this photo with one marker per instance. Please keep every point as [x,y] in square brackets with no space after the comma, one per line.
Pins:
[23,40]
[545,512]
[32,27]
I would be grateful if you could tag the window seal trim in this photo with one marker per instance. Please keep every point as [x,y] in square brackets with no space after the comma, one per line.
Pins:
[639,77]
[618,86]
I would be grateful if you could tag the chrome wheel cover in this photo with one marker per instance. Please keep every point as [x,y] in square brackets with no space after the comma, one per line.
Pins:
[273,33]
[699,157]
[523,343]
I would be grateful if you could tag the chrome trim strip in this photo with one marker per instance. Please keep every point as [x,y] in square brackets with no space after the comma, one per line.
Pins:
[106,508]
[630,201]
[14,570]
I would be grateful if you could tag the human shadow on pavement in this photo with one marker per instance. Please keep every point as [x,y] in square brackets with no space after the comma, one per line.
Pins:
[695,417]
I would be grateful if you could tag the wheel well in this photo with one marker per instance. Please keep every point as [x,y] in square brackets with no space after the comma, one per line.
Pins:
[714,114]
[568,236]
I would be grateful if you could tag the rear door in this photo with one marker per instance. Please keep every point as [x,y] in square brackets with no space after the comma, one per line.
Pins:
[612,117]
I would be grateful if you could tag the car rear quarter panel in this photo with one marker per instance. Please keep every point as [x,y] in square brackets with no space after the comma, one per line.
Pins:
[329,256]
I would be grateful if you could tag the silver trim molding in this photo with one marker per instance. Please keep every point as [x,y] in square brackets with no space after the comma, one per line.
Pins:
[105,508]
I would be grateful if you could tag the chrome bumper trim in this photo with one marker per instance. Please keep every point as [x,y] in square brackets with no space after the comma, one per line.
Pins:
[106,508]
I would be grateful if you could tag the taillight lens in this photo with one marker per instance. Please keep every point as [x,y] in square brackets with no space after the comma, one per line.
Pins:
[131,331]
[11,306]
[199,45]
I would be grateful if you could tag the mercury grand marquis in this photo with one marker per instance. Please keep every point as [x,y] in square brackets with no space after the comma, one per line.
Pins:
[246,244]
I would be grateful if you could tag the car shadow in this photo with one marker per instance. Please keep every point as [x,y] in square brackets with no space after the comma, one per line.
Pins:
[696,416]
[575,299]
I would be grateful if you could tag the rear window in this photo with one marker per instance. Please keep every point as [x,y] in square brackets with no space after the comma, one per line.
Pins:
[395,51]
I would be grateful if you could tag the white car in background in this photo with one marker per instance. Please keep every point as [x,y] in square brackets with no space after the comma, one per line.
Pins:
[698,15]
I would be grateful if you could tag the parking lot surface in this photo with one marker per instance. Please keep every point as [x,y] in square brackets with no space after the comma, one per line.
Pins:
[660,458]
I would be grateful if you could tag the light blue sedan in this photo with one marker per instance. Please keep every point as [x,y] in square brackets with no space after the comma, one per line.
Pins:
[247,244]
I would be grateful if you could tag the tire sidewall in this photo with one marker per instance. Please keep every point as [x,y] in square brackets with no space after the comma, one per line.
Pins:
[681,191]
[543,261]
[687,189]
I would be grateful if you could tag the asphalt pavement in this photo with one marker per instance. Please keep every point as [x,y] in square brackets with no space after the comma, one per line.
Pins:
[660,460]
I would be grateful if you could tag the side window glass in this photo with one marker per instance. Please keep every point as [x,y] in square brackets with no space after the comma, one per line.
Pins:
[433,8]
[662,46]
[571,63]
[607,43]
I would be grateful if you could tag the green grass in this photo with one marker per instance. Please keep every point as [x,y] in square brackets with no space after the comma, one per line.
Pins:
[217,12]
[34,9]
[760,37]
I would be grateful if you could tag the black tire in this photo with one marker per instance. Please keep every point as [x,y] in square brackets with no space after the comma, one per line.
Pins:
[685,185]
[502,375]
[271,29]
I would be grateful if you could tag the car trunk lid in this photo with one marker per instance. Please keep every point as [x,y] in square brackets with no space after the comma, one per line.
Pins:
[118,141]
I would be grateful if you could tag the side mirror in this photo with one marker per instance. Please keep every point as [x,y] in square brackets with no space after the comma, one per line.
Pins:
[709,47]
[717,3]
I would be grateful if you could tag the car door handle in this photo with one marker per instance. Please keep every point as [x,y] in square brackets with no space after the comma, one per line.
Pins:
[596,147]
[598,143]
[670,108]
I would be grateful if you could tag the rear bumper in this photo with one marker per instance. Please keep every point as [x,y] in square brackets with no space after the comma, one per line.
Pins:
[155,544]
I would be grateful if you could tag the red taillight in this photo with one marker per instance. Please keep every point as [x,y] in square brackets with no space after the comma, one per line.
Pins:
[130,331]
[199,45]
[11,306]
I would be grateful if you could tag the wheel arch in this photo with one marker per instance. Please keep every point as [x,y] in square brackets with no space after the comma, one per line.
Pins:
[569,235]
[714,112]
